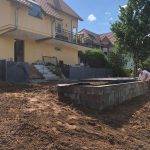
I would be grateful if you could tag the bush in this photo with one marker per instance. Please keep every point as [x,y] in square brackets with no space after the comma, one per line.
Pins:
[116,62]
[94,59]
[121,72]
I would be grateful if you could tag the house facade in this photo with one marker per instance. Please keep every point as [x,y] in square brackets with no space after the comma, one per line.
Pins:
[32,29]
[105,41]
[89,38]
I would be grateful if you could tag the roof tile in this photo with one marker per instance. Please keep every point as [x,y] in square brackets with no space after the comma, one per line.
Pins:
[51,7]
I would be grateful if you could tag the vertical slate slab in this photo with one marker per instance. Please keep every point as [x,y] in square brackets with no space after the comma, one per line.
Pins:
[101,97]
[3,69]
[87,72]
[17,72]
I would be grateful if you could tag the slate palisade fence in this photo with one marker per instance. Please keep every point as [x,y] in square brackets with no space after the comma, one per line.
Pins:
[15,72]
[84,72]
[3,70]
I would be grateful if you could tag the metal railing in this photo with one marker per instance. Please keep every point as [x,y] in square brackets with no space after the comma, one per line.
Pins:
[79,39]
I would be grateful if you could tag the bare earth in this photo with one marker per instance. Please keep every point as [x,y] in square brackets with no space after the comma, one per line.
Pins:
[32,118]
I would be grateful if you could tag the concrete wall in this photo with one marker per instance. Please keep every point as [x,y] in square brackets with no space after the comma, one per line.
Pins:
[100,97]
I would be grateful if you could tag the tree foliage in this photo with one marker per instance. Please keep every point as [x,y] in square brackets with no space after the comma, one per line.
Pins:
[94,59]
[146,64]
[132,28]
[117,62]
[116,58]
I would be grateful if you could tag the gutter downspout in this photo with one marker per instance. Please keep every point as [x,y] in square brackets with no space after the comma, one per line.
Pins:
[16,20]
[16,16]
[52,27]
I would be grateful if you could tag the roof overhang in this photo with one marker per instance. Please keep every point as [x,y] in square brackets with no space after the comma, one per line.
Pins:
[23,34]
[23,2]
[59,43]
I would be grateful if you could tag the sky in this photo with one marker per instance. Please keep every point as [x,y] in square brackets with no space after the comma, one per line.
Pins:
[98,15]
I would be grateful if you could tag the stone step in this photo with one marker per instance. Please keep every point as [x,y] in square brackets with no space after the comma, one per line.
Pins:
[47,74]
[34,73]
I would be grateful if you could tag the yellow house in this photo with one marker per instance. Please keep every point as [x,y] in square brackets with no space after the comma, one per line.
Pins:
[31,29]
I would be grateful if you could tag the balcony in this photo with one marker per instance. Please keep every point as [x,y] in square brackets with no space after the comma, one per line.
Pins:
[78,39]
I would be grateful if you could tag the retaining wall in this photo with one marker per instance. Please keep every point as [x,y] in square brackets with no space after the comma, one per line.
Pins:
[100,97]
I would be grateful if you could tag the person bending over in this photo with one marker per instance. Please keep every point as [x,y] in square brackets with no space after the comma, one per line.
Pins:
[144,75]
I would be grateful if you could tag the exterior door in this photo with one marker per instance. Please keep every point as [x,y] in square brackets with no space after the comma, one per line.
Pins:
[19,51]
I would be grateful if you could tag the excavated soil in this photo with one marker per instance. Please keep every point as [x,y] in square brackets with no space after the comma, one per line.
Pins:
[32,118]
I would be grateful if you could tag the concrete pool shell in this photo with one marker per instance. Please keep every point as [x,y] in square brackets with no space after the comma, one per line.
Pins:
[102,93]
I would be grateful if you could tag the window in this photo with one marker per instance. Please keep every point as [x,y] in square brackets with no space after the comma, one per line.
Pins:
[59,27]
[35,11]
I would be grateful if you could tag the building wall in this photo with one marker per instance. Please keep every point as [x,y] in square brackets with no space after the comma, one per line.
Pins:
[35,50]
[6,48]
[29,23]
[68,22]
[33,24]
[67,54]
[7,14]
[67,19]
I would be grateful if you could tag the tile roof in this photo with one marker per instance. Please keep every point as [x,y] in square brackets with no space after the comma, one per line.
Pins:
[109,35]
[24,2]
[88,32]
[99,37]
[48,9]
[93,35]
[62,6]
[51,7]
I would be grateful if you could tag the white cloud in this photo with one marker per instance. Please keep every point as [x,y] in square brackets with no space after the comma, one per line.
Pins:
[124,6]
[91,18]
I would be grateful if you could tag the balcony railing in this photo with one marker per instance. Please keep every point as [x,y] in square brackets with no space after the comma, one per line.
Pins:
[67,36]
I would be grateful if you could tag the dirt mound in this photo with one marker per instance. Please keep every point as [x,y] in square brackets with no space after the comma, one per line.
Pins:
[32,117]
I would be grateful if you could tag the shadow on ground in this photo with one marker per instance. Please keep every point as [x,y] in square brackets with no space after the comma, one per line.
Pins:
[116,116]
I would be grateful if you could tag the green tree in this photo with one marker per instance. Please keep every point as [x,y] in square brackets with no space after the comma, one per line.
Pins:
[94,58]
[146,64]
[132,28]
[117,62]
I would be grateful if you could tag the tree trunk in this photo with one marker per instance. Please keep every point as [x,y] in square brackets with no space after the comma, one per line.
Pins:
[136,63]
